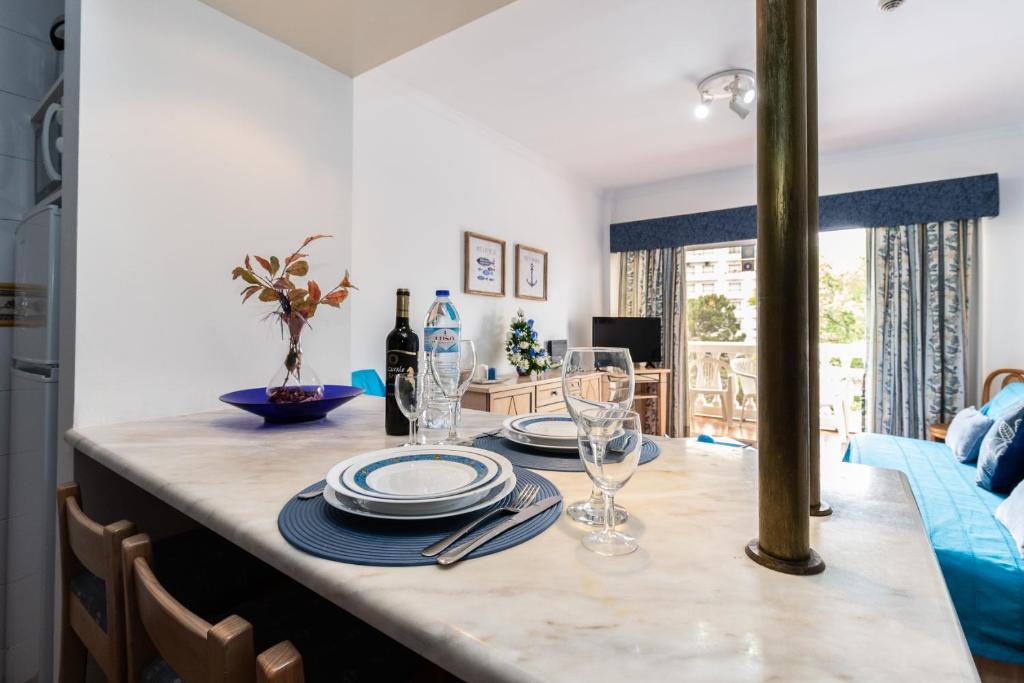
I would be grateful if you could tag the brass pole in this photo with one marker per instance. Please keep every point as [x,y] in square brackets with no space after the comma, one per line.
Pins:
[783,542]
[818,507]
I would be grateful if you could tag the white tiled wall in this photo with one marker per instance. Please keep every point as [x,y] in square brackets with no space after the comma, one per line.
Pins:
[28,67]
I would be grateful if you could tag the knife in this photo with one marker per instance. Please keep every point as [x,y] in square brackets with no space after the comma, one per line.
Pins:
[460,551]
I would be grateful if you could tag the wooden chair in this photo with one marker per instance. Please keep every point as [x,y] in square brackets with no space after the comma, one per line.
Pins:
[1011,375]
[91,595]
[163,637]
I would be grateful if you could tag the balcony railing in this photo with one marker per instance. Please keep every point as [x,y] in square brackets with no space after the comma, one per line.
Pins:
[841,378]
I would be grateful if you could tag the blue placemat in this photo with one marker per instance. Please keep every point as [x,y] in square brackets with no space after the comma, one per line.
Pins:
[553,461]
[315,527]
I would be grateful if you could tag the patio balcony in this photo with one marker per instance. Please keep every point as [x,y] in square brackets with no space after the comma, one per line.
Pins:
[722,396]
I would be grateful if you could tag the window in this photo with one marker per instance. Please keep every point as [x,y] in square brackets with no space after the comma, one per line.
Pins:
[708,267]
[691,288]
[735,286]
[735,267]
[735,250]
[709,288]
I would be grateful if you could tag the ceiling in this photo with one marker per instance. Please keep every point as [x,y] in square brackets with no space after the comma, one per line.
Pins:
[607,88]
[355,35]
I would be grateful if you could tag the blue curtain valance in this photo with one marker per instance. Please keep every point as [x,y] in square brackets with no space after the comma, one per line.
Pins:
[941,200]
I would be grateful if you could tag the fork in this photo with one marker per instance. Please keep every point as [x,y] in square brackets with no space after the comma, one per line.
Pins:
[521,502]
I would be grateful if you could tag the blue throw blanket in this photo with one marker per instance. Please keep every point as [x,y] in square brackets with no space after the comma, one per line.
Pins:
[979,559]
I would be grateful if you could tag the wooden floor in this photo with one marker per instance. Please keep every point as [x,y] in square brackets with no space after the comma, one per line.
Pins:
[832,443]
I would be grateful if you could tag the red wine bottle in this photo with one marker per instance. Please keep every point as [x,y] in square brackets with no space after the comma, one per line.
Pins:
[402,352]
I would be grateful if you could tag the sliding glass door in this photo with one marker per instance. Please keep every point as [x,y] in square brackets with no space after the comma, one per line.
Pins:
[721,337]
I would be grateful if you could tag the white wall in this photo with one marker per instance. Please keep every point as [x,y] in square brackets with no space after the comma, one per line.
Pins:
[423,175]
[1002,239]
[200,139]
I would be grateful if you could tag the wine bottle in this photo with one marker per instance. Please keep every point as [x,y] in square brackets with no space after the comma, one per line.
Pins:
[402,351]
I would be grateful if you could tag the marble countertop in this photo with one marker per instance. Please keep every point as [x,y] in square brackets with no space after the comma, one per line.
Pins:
[688,606]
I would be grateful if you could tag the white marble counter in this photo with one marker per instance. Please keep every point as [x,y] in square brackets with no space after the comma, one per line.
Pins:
[689,606]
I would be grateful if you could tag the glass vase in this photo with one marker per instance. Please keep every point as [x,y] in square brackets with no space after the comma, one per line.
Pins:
[295,381]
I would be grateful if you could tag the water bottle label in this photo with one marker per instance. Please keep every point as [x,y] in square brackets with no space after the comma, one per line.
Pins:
[446,339]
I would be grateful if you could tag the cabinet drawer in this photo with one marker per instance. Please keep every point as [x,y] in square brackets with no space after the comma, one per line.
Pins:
[553,408]
[512,403]
[549,394]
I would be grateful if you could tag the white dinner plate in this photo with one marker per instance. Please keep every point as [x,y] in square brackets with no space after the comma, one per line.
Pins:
[417,472]
[420,506]
[542,444]
[549,427]
[345,504]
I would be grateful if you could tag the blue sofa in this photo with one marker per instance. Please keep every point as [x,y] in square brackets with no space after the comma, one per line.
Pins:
[979,558]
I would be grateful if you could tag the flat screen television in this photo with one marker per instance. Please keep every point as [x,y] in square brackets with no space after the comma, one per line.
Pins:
[642,336]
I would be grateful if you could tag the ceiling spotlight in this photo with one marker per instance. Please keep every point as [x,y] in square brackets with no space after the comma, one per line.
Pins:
[736,85]
[702,110]
[738,107]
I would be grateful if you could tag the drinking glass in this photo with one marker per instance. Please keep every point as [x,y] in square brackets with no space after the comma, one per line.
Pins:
[611,452]
[596,377]
[412,402]
[453,370]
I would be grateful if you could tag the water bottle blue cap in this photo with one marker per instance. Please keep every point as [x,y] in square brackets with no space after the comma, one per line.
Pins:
[441,292]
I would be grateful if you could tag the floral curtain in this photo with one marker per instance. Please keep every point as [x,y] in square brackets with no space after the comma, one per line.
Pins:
[921,286]
[651,285]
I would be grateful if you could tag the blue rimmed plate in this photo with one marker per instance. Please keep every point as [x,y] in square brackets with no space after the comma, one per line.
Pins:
[255,401]
[419,473]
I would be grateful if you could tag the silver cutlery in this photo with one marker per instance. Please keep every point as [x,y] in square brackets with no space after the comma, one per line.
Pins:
[472,439]
[309,495]
[455,554]
[519,503]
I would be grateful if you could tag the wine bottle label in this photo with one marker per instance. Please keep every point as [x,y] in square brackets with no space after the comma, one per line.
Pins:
[399,361]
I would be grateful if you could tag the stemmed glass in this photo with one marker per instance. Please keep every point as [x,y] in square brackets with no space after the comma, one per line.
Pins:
[611,452]
[596,377]
[453,370]
[411,401]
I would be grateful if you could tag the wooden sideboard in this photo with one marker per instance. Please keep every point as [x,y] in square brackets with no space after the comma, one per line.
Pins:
[543,394]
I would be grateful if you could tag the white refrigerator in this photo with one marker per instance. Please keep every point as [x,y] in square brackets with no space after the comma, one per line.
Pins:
[31,480]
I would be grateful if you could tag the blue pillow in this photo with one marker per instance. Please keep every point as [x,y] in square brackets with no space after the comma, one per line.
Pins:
[1008,397]
[1001,460]
[966,432]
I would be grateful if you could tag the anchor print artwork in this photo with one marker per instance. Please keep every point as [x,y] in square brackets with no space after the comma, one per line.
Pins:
[531,273]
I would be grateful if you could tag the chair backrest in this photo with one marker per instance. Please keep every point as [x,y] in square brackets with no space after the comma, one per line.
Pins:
[709,373]
[199,652]
[744,368]
[1011,375]
[86,548]
[369,381]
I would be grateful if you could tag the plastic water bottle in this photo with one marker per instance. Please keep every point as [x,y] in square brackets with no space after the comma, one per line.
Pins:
[441,329]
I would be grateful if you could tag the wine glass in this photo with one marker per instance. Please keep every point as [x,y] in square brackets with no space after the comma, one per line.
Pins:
[611,452]
[596,377]
[411,401]
[453,370]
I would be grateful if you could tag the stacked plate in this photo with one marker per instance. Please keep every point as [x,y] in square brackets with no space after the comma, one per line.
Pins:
[544,431]
[417,483]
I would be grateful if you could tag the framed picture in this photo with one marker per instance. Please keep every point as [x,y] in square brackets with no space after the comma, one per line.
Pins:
[484,265]
[531,273]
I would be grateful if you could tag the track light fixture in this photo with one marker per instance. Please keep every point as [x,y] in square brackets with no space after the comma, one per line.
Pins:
[736,85]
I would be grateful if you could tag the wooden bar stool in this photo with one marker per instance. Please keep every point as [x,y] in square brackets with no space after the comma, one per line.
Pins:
[165,641]
[91,594]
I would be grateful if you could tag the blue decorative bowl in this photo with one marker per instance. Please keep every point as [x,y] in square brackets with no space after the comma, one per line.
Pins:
[255,401]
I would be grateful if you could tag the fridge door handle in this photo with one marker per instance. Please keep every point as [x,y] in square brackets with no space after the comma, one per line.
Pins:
[49,377]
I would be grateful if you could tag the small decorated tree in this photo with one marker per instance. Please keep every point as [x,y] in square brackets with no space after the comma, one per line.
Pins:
[276,282]
[522,347]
